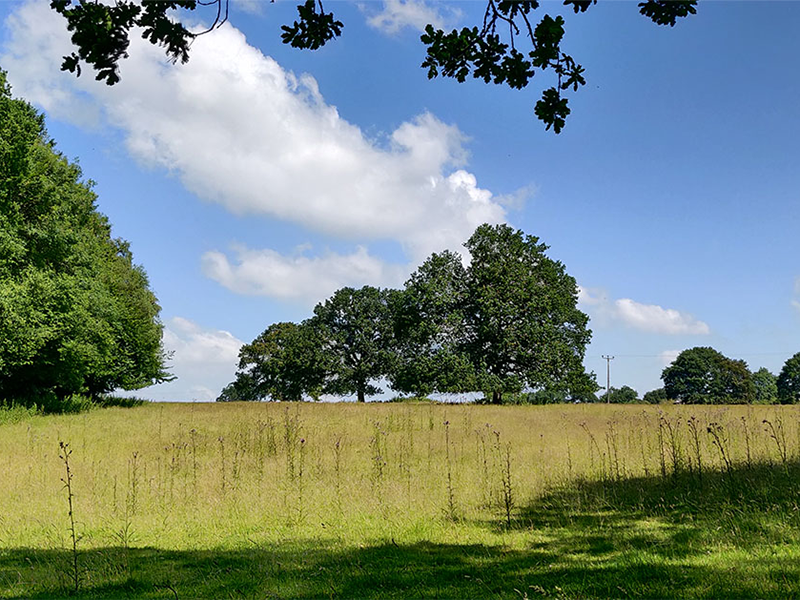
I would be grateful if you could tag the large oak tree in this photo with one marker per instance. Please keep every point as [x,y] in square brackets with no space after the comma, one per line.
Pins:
[76,314]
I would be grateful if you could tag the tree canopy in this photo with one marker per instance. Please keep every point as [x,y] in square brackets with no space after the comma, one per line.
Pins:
[355,330]
[508,322]
[789,381]
[623,395]
[285,363]
[765,385]
[76,314]
[429,329]
[509,47]
[704,376]
[656,396]
[523,327]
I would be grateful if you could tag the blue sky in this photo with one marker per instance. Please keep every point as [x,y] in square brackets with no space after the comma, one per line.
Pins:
[256,179]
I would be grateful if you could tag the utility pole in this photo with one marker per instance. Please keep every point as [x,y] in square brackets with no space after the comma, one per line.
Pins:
[608,360]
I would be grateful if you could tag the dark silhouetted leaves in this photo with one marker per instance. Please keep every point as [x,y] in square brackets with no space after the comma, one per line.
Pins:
[100,34]
[313,30]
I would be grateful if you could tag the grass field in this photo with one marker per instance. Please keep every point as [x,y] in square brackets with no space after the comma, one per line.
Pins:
[402,501]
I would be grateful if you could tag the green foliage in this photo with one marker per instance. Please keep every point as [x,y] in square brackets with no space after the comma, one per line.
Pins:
[76,315]
[704,376]
[766,387]
[355,328]
[509,322]
[429,329]
[15,413]
[789,381]
[284,363]
[505,323]
[522,325]
[100,34]
[656,396]
[242,389]
[623,395]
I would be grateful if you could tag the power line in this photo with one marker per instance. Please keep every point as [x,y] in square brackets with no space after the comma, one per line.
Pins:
[787,353]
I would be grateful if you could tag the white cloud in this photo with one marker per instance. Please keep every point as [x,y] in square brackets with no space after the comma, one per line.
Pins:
[398,14]
[239,130]
[668,356]
[298,277]
[650,318]
[253,7]
[591,297]
[203,360]
[656,319]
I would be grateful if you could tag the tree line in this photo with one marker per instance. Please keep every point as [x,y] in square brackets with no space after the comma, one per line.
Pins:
[703,375]
[506,322]
[77,315]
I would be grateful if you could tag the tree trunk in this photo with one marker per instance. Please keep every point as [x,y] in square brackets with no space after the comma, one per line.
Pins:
[361,395]
[497,397]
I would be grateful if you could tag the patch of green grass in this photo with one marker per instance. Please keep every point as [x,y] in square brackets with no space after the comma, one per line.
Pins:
[14,413]
[404,501]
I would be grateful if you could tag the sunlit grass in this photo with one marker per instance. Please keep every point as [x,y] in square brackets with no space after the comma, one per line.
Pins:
[320,500]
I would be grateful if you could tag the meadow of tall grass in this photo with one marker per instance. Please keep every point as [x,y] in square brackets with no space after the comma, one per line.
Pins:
[251,500]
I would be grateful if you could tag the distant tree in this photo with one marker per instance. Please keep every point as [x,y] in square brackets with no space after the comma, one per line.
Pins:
[242,389]
[76,314]
[789,381]
[765,385]
[704,376]
[656,396]
[428,317]
[284,363]
[623,395]
[493,52]
[356,334]
[522,325]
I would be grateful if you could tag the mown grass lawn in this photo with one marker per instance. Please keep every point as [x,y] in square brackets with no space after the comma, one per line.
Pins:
[403,500]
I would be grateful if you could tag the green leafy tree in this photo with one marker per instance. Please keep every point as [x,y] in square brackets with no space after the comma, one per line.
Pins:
[284,363]
[428,319]
[356,334]
[623,395]
[76,314]
[510,46]
[522,325]
[765,386]
[656,396]
[704,376]
[789,381]
[241,389]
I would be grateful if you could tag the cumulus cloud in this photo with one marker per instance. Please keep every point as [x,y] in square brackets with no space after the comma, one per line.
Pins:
[203,360]
[650,318]
[299,277]
[239,130]
[668,356]
[253,7]
[591,297]
[398,14]
[656,319]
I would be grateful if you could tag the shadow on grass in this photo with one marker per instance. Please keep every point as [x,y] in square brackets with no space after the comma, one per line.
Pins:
[731,534]
[384,571]
[770,492]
